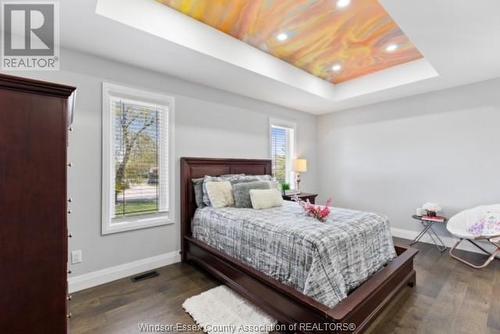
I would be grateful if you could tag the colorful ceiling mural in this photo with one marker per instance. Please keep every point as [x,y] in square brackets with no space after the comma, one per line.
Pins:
[336,40]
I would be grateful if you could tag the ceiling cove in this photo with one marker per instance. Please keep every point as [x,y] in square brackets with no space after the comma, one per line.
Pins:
[335,40]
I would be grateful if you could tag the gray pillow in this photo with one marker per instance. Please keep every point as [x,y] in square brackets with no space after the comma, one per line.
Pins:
[272,179]
[241,192]
[198,192]
[246,178]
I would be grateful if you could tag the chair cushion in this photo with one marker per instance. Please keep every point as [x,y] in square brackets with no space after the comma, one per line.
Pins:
[479,222]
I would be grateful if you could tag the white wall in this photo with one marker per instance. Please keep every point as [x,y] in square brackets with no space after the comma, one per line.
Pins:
[388,158]
[392,157]
[208,123]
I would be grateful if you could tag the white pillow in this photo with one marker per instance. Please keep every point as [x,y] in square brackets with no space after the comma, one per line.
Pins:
[220,194]
[265,198]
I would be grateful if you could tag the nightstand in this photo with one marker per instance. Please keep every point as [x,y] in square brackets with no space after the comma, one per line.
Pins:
[302,196]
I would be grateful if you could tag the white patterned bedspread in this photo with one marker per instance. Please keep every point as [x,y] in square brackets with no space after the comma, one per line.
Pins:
[322,260]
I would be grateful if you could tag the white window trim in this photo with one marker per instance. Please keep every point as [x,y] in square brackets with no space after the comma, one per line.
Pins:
[293,147]
[108,224]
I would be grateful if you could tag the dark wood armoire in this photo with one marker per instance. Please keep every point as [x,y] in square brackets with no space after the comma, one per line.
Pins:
[34,121]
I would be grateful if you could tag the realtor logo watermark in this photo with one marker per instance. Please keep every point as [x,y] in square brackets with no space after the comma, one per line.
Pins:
[30,35]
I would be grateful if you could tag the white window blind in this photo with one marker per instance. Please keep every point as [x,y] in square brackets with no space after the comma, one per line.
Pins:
[140,155]
[137,169]
[282,140]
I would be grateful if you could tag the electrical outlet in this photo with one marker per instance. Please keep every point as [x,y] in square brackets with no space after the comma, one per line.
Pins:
[76,256]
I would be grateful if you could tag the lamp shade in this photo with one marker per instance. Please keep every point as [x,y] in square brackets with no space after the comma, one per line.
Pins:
[300,165]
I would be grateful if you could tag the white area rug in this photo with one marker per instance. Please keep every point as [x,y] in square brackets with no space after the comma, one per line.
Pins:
[222,311]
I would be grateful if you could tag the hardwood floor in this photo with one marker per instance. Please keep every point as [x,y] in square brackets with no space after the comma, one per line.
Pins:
[449,298]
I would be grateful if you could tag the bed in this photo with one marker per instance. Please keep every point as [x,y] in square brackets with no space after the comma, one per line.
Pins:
[297,298]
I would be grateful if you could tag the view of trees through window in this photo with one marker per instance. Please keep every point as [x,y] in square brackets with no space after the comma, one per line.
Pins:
[136,155]
[280,148]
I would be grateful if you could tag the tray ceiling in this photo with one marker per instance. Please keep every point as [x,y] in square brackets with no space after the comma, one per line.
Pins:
[335,40]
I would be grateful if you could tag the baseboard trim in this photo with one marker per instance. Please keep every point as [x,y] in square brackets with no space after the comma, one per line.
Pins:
[448,241]
[110,274]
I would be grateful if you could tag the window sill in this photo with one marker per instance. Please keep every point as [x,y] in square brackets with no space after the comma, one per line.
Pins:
[117,225]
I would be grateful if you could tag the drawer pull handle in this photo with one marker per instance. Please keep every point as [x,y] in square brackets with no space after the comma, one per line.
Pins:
[70,200]
[68,315]
[70,164]
[69,272]
[69,297]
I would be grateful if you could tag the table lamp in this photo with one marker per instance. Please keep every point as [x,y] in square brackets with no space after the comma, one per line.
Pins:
[299,166]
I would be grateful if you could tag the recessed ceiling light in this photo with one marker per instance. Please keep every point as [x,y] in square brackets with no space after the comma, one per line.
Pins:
[337,68]
[391,47]
[282,37]
[343,3]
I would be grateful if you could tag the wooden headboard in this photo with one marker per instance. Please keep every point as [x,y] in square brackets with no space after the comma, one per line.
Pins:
[192,168]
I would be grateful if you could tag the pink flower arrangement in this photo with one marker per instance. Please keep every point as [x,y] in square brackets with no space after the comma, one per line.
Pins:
[319,212]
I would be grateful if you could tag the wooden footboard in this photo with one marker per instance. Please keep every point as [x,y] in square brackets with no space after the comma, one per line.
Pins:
[296,311]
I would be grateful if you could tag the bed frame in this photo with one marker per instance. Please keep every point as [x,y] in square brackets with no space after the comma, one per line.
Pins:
[287,305]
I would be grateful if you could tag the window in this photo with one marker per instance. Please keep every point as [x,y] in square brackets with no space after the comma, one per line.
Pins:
[137,169]
[282,150]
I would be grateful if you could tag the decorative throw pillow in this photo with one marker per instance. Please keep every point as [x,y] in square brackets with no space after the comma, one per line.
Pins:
[220,194]
[198,192]
[226,177]
[241,192]
[265,199]
[233,178]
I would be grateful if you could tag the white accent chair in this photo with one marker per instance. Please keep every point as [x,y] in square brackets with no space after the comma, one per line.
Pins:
[459,225]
